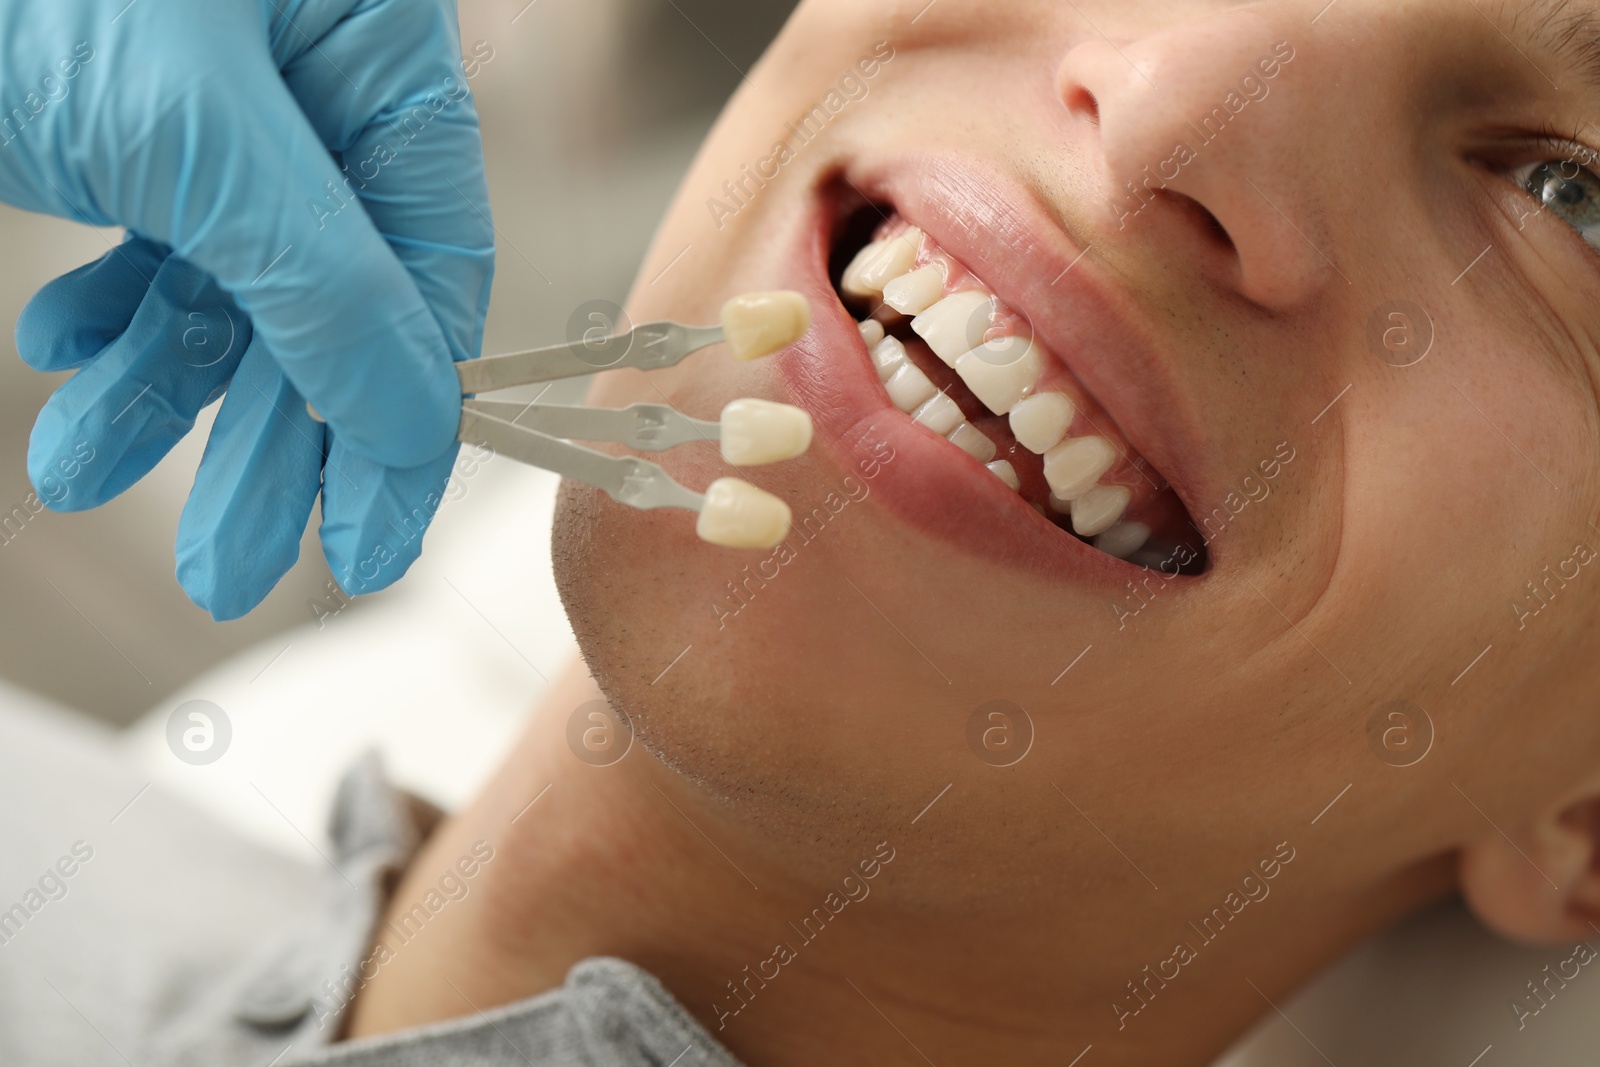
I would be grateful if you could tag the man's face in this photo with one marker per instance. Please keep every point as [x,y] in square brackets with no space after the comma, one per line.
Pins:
[1284,257]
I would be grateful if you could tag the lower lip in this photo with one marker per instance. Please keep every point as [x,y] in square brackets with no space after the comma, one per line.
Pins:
[931,485]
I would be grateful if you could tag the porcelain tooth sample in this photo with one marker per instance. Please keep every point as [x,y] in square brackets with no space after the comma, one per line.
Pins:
[1006,473]
[762,431]
[955,325]
[758,324]
[1097,511]
[1040,421]
[880,263]
[908,387]
[1074,466]
[1002,372]
[973,441]
[1123,539]
[916,292]
[738,515]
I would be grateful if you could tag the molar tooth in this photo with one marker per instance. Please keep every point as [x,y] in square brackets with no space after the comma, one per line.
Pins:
[956,324]
[1123,539]
[909,388]
[939,414]
[914,293]
[871,332]
[1006,473]
[1001,372]
[887,355]
[879,263]
[1040,421]
[973,441]
[1097,511]
[1073,466]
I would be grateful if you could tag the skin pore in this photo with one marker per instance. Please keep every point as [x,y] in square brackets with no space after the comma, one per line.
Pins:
[1210,751]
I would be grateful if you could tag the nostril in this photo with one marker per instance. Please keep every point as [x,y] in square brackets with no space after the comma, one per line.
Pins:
[1081,103]
[1209,223]
[1215,228]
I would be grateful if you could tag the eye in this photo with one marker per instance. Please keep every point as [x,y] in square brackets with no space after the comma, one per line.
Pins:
[1566,190]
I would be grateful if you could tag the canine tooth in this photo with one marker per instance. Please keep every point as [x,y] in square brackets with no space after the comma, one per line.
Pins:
[939,414]
[973,441]
[1123,539]
[909,388]
[881,262]
[1040,421]
[1097,511]
[887,355]
[956,324]
[850,283]
[871,332]
[1006,473]
[1001,372]
[1073,466]
[914,293]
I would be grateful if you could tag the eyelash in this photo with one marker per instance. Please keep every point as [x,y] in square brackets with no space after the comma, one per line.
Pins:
[1551,145]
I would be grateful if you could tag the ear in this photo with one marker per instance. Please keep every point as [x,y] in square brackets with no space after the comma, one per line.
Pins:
[1539,882]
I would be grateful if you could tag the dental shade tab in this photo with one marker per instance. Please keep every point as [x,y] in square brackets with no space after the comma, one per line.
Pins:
[750,432]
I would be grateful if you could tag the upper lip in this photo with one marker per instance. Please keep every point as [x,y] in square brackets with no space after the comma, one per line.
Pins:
[1029,260]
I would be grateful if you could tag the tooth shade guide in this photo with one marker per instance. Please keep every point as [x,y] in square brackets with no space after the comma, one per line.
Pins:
[736,514]
[761,431]
[758,324]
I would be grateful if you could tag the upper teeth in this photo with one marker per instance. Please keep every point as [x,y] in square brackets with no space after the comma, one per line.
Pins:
[1040,421]
[880,263]
[956,324]
[914,293]
[1073,467]
[1002,371]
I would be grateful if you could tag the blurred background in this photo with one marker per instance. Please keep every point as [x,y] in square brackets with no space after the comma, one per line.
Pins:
[592,110]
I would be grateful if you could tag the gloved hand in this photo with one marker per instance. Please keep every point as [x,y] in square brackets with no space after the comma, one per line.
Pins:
[303,186]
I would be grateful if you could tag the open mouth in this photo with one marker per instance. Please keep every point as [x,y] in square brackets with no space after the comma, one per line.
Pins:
[966,367]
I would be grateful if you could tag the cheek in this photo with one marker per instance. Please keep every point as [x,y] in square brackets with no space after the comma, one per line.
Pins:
[1449,506]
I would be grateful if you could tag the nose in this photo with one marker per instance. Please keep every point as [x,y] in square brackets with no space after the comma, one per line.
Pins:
[1205,124]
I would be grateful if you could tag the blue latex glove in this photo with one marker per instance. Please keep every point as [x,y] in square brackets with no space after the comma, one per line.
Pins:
[303,186]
